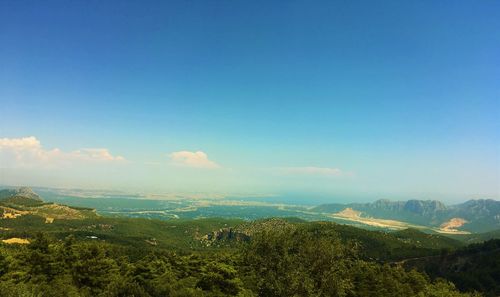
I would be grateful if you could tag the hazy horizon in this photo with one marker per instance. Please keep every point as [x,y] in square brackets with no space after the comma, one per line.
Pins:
[308,198]
[333,100]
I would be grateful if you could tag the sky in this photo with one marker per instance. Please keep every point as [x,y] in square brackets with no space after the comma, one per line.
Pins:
[325,100]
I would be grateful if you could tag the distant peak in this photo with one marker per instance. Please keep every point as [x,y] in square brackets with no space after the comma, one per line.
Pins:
[483,199]
[480,202]
[26,192]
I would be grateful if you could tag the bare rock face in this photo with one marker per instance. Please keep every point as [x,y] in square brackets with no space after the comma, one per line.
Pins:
[424,207]
[28,193]
[226,234]
[453,224]
[479,208]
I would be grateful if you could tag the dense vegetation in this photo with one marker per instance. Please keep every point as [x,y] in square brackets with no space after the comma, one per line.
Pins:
[295,260]
[475,267]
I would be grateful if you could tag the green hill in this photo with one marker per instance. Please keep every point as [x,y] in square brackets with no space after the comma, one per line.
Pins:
[475,267]
[378,245]
[476,237]
[283,258]
[425,240]
[16,203]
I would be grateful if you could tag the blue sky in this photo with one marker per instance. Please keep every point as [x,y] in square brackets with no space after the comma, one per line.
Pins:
[334,99]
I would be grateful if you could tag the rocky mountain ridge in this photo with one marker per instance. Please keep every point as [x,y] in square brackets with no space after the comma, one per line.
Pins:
[25,192]
[480,215]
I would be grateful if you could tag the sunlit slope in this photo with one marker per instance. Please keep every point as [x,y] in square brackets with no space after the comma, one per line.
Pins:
[15,203]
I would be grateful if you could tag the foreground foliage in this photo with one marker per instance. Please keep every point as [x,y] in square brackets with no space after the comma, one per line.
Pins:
[475,267]
[289,261]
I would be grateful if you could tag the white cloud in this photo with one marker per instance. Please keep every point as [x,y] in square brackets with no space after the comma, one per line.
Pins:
[311,170]
[99,154]
[28,152]
[197,159]
[19,143]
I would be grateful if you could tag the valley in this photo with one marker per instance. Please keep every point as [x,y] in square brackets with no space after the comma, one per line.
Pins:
[474,216]
[392,245]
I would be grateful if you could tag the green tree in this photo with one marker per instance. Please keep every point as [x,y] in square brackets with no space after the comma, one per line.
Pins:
[39,260]
[92,270]
[220,278]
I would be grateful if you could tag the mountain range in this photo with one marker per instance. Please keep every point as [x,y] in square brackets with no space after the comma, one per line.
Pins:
[480,215]
[473,216]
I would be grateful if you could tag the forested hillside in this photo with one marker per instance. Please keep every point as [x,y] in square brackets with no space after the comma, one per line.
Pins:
[475,267]
[289,261]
